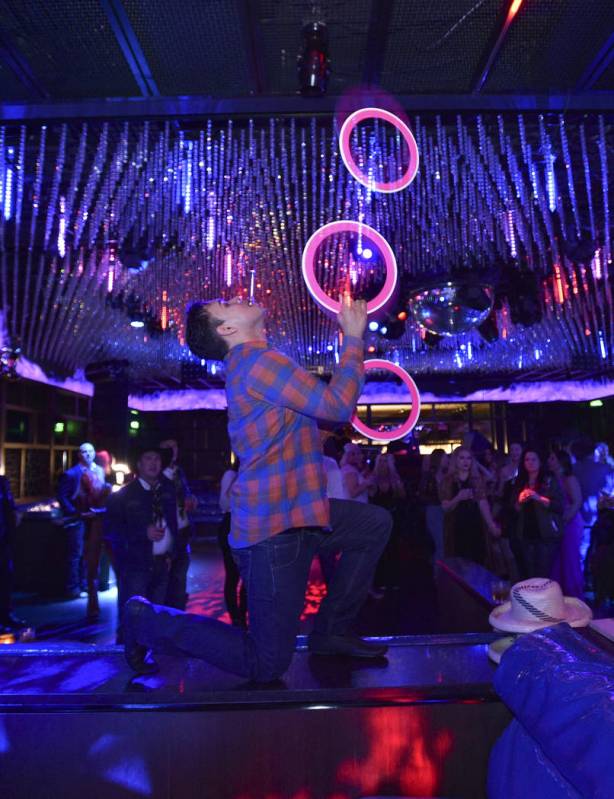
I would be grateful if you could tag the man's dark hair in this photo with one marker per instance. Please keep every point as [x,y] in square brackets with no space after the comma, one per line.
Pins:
[201,333]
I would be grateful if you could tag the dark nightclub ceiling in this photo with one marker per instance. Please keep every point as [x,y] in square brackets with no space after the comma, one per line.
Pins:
[115,214]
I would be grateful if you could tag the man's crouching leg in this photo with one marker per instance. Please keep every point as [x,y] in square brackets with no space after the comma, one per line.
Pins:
[275,574]
[359,533]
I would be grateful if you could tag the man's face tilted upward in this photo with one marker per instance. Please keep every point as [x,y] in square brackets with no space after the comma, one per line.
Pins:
[239,321]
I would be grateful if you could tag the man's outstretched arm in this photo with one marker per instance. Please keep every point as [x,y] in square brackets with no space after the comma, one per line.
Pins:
[280,381]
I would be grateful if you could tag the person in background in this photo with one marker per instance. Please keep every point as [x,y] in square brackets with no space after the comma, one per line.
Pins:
[332,453]
[466,509]
[236,601]
[389,493]
[96,491]
[177,594]
[602,454]
[594,479]
[567,443]
[77,488]
[489,471]
[332,450]
[600,557]
[567,569]
[141,523]
[539,523]
[8,523]
[509,470]
[104,459]
[428,494]
[358,482]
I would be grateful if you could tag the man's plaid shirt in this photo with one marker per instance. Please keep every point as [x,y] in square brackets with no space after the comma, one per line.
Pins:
[273,405]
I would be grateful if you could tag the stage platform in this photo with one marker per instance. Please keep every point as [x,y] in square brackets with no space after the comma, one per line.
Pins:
[419,722]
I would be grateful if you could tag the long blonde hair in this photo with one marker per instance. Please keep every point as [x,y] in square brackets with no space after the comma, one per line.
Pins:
[385,469]
[453,471]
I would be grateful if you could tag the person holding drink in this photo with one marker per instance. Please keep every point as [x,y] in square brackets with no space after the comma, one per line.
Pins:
[141,524]
[539,515]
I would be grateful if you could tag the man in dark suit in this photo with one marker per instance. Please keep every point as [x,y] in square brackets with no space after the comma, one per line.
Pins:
[141,524]
[73,495]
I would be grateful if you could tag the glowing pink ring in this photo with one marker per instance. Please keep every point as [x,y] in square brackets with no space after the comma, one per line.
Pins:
[351,165]
[410,422]
[348,226]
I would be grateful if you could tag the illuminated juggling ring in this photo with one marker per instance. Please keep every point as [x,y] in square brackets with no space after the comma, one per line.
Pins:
[410,422]
[351,165]
[348,226]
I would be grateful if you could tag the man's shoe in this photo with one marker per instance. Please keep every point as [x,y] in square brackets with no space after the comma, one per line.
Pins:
[348,645]
[140,660]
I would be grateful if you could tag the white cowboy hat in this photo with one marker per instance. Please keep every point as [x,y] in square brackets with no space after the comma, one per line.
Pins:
[538,603]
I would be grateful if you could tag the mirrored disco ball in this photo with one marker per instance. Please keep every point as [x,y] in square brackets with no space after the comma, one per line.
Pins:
[452,307]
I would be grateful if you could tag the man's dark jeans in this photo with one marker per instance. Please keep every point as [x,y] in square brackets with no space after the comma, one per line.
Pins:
[74,533]
[275,573]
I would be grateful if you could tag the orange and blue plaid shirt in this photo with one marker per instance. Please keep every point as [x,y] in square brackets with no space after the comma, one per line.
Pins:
[273,405]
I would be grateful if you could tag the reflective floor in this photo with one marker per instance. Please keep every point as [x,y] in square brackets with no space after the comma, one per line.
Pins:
[66,674]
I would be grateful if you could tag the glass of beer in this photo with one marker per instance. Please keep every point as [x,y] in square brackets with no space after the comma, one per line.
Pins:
[500,590]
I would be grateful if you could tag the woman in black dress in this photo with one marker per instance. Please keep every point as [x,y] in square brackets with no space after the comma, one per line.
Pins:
[466,508]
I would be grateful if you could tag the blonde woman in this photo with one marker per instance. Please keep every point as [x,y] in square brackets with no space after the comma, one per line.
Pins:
[467,512]
[387,480]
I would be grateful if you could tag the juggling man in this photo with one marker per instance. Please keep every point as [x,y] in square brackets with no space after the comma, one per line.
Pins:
[280,515]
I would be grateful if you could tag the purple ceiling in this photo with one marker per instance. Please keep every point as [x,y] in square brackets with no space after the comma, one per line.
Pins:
[105,222]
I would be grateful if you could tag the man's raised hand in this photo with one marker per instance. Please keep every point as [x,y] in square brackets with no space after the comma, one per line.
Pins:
[352,317]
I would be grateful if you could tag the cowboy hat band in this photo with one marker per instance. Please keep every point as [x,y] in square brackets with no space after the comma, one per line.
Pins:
[534,611]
